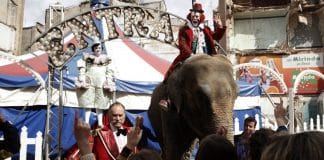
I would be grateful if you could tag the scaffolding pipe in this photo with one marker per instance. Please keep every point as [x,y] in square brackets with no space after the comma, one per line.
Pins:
[48,114]
[291,111]
[60,115]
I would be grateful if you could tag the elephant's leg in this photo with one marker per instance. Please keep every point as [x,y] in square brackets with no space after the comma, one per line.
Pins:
[188,153]
[177,136]
[154,114]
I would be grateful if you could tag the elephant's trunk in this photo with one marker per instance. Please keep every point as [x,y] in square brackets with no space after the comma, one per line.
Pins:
[224,119]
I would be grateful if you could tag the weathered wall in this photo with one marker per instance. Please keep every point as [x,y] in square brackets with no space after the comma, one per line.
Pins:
[262,33]
[11,21]
[261,3]
[7,39]
[30,34]
[3,11]
[305,31]
[321,25]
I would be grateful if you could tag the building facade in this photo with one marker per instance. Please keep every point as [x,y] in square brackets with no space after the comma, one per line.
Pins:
[284,35]
[11,23]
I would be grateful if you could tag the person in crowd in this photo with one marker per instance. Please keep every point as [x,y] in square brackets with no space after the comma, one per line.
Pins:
[195,38]
[145,154]
[96,81]
[258,142]
[82,132]
[215,146]
[280,114]
[11,143]
[261,138]
[300,146]
[241,141]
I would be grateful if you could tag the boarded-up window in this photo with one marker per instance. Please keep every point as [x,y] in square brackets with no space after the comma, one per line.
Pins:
[312,1]
[305,31]
[258,33]
[3,11]
[12,12]
[261,3]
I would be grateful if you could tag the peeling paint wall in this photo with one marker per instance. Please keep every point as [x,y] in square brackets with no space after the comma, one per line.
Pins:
[305,31]
[321,25]
[258,3]
[261,33]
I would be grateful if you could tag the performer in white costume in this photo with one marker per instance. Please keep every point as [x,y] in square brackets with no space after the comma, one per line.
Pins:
[96,82]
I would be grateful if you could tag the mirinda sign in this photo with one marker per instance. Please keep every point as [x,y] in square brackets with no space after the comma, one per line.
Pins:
[288,67]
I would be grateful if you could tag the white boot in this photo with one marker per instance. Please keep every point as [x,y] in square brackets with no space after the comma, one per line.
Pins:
[87,115]
[99,117]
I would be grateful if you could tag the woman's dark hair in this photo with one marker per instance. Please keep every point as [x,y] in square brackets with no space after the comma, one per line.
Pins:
[258,141]
[215,147]
[145,154]
[95,45]
[300,146]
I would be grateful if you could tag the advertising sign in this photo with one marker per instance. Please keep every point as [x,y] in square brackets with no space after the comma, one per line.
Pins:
[288,67]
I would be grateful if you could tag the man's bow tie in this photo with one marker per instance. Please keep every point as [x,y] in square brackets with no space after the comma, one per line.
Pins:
[121,131]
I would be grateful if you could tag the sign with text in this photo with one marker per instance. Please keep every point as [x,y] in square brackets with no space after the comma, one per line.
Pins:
[288,67]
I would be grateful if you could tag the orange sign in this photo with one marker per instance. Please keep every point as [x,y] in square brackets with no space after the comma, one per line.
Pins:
[288,67]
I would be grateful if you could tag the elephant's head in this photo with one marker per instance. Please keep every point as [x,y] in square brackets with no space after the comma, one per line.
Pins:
[203,92]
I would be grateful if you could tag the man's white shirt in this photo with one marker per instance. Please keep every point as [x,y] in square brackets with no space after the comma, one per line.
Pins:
[121,140]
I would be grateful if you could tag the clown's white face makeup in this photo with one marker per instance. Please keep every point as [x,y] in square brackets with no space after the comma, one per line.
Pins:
[195,19]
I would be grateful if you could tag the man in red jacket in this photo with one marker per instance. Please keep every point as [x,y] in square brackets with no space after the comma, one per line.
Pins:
[196,38]
[110,140]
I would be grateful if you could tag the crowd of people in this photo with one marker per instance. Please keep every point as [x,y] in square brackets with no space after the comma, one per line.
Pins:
[263,144]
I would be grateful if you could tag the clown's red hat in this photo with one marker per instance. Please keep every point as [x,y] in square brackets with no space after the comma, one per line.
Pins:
[197,7]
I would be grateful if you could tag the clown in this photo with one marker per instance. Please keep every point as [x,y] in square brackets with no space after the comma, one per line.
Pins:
[96,81]
[196,38]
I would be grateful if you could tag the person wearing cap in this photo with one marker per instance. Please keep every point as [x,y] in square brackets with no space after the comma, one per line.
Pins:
[195,38]
[96,81]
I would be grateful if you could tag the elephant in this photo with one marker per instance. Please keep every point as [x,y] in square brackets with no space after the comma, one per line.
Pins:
[202,92]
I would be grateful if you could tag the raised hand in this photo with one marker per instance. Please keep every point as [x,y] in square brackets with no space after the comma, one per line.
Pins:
[217,21]
[135,133]
[81,134]
[280,113]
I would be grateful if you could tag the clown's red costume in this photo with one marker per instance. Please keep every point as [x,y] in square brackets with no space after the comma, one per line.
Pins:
[196,38]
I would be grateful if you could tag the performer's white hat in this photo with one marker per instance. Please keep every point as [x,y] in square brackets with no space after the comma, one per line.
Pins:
[96,42]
